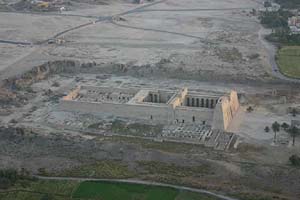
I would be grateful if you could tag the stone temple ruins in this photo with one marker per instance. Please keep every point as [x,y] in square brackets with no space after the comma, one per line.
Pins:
[159,106]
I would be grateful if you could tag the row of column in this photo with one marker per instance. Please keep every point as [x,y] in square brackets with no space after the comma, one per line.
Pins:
[204,103]
[154,98]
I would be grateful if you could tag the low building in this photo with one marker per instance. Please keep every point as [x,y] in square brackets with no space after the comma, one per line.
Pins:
[294,24]
[138,1]
[155,105]
[274,7]
[295,123]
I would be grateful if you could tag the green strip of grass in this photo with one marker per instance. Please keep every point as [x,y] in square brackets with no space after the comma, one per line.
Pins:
[124,191]
[288,59]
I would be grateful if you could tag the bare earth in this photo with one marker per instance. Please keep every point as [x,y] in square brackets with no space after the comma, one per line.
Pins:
[197,43]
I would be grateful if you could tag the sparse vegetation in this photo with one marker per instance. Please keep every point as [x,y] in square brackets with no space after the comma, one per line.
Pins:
[42,172]
[40,190]
[245,147]
[250,109]
[254,56]
[95,125]
[100,169]
[295,160]
[229,55]
[177,171]
[267,129]
[55,84]
[136,128]
[8,177]
[171,147]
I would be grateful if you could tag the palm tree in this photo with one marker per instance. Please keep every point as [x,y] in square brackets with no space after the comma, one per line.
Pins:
[285,126]
[275,128]
[294,132]
[294,112]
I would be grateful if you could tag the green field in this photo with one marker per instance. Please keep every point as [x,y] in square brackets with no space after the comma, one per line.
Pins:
[125,191]
[94,190]
[288,59]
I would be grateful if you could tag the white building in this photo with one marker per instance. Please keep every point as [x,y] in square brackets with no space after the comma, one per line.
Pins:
[294,24]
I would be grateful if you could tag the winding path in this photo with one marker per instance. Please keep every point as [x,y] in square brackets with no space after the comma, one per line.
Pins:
[162,31]
[194,9]
[272,51]
[201,191]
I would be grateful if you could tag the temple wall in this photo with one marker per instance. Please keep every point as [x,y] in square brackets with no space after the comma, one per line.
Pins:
[194,115]
[225,111]
[109,89]
[160,114]
[178,100]
[218,113]
[234,101]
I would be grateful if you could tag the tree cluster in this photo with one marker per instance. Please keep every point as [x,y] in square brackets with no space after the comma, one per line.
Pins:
[292,130]
[274,20]
[295,160]
[8,177]
[289,4]
[278,22]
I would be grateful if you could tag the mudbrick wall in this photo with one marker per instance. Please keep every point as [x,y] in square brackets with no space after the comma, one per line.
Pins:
[162,114]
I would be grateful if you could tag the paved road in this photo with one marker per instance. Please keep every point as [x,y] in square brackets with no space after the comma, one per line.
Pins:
[140,182]
[15,42]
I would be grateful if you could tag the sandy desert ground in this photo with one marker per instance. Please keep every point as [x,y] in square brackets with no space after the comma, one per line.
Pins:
[202,40]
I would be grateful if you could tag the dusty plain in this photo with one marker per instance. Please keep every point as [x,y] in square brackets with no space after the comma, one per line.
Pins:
[207,45]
